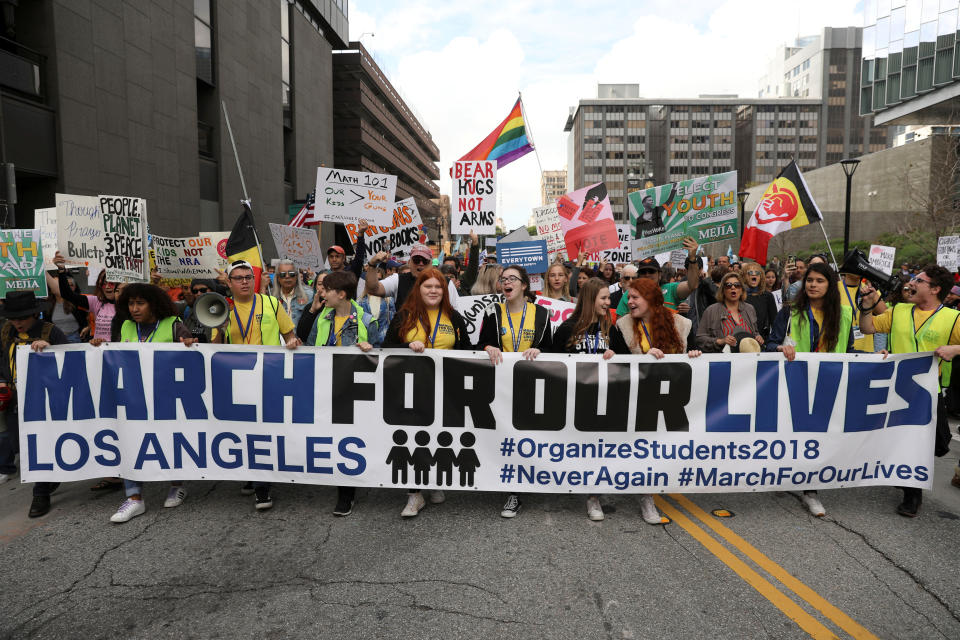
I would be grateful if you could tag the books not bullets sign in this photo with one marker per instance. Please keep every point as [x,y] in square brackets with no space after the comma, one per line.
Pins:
[347,196]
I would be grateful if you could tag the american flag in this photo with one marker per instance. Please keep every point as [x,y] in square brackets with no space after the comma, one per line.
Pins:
[305,217]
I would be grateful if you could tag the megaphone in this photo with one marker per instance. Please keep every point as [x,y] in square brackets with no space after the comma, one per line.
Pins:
[212,309]
[856,263]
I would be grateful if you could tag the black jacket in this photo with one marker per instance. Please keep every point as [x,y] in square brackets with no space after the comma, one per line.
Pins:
[393,339]
[492,333]
[766,308]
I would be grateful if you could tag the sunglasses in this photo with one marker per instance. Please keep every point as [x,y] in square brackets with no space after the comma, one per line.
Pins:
[732,285]
[628,278]
[287,274]
[646,272]
[419,260]
[197,292]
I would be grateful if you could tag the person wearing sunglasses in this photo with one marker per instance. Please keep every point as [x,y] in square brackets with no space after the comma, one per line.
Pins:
[673,292]
[187,308]
[516,325]
[618,290]
[289,290]
[730,320]
[399,285]
[759,297]
[923,324]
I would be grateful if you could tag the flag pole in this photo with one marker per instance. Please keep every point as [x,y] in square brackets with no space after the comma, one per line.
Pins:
[829,248]
[526,124]
[243,185]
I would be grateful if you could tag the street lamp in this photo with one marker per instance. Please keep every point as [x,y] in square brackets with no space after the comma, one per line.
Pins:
[849,166]
[742,199]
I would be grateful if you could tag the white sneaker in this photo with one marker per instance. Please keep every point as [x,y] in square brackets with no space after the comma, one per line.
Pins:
[436,496]
[649,510]
[813,504]
[594,510]
[128,510]
[511,508]
[415,502]
[175,497]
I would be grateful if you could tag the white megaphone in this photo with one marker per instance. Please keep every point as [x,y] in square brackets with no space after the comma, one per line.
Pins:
[212,309]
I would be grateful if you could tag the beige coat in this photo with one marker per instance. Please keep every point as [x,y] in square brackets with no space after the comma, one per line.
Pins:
[628,327]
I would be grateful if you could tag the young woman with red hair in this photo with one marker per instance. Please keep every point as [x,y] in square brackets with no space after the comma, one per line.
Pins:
[653,329]
[427,321]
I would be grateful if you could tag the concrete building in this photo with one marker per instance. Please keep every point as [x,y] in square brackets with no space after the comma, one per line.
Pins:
[553,184]
[124,97]
[910,67]
[376,131]
[890,189]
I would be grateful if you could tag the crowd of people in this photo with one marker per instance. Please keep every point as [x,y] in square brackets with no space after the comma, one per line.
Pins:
[707,305]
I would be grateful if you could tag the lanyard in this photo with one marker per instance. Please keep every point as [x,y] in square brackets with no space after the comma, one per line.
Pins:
[149,337]
[334,336]
[593,347]
[433,340]
[852,306]
[916,329]
[647,334]
[814,332]
[245,331]
[515,337]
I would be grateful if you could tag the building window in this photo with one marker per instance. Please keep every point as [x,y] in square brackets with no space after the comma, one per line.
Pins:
[285,62]
[203,40]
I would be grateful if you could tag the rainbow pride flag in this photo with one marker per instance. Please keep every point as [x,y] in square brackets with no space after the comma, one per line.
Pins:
[506,143]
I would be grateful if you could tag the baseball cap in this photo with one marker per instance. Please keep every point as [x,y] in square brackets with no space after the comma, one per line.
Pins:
[955,291]
[239,264]
[392,264]
[338,249]
[648,263]
[421,250]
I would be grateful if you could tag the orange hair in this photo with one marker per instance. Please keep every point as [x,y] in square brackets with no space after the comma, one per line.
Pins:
[415,312]
[663,331]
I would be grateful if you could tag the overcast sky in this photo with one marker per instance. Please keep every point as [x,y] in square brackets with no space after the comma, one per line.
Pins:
[460,65]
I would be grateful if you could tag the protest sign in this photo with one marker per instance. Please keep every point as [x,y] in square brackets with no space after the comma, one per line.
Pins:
[347,196]
[299,245]
[473,204]
[531,255]
[471,308]
[80,230]
[547,221]
[881,257]
[948,252]
[704,208]
[587,221]
[716,423]
[124,221]
[194,257]
[21,262]
[397,238]
[622,254]
[520,234]
[536,283]
[46,221]
[678,258]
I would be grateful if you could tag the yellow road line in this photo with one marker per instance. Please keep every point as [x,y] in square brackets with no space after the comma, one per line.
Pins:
[818,602]
[764,587]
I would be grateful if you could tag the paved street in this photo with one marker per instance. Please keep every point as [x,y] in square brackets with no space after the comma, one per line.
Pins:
[215,568]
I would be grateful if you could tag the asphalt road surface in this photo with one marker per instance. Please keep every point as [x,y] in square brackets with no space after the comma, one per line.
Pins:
[215,568]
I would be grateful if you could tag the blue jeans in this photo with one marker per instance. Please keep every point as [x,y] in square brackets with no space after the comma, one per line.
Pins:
[134,487]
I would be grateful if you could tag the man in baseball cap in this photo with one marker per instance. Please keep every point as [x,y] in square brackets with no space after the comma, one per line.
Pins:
[398,285]
[673,292]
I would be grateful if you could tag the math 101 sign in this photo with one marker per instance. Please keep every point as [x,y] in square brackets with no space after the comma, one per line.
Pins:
[473,206]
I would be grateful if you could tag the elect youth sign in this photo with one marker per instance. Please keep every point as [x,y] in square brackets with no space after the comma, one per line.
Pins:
[559,423]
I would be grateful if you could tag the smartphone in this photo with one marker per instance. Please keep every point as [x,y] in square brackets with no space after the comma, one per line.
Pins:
[791,260]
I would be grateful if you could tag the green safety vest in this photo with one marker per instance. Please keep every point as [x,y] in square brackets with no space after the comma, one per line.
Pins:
[163,332]
[935,332]
[800,331]
[269,327]
[325,321]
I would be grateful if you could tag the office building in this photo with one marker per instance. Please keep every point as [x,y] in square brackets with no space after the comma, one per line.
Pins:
[553,184]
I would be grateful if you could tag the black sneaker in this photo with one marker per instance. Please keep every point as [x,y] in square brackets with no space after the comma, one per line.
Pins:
[511,507]
[247,489]
[344,507]
[264,501]
[39,507]
[910,507]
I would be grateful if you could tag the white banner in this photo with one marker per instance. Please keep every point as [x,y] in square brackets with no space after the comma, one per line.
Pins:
[882,257]
[396,239]
[300,245]
[194,257]
[346,196]
[447,419]
[473,204]
[46,221]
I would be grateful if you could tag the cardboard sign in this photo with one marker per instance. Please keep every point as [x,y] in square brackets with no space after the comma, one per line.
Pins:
[587,221]
[398,238]
[948,252]
[531,255]
[882,257]
[299,245]
[124,221]
[347,196]
[536,283]
[678,258]
[622,254]
[45,221]
[547,221]
[473,205]
[80,230]
[704,208]
[194,257]
[21,262]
